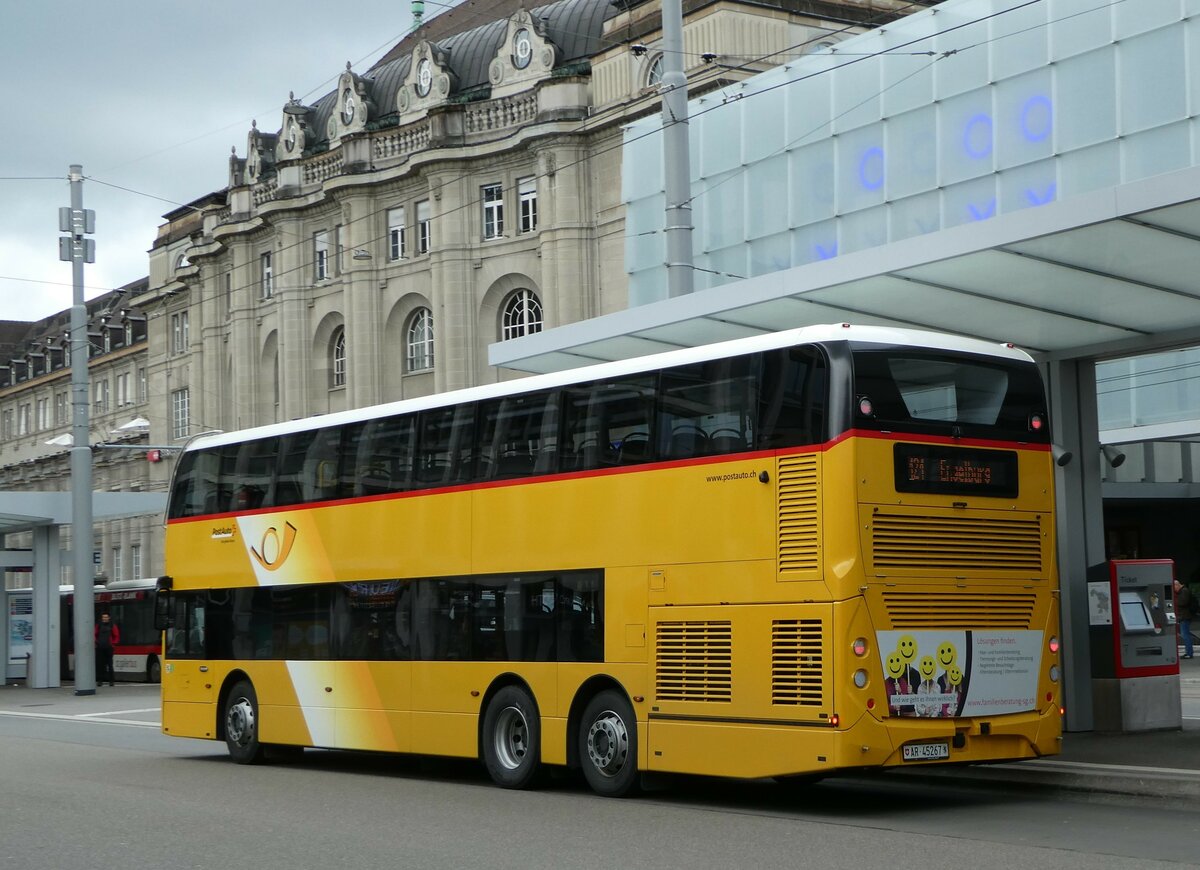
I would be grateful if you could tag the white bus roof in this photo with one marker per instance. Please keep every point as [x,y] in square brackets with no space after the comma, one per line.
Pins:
[883,335]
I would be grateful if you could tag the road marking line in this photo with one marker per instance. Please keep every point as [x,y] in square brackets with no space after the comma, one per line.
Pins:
[1118,769]
[120,712]
[80,718]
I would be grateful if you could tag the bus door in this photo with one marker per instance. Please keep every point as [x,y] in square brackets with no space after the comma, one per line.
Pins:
[191,677]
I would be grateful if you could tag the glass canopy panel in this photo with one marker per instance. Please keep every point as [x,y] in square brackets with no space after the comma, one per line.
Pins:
[1147,390]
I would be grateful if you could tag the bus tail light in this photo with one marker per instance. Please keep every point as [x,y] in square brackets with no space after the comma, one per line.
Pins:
[860,646]
[1054,673]
[860,679]
[1062,711]
[834,719]
[1054,644]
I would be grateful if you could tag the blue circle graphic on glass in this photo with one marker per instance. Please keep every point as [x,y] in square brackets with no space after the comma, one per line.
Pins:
[977,137]
[1037,118]
[870,169]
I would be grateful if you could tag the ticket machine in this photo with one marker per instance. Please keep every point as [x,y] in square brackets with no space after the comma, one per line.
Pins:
[1135,653]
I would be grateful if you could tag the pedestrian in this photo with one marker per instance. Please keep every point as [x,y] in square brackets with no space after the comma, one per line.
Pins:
[1185,610]
[107,635]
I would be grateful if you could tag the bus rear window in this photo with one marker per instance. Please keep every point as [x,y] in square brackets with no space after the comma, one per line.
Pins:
[951,394]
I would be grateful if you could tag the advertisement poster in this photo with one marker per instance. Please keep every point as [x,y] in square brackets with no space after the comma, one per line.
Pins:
[20,625]
[944,674]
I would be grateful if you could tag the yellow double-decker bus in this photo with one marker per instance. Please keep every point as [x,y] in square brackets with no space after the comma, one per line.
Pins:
[785,556]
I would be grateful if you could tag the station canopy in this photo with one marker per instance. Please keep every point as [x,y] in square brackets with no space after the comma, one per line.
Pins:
[1108,273]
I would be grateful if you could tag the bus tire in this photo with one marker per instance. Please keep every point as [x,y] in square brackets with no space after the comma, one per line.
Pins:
[608,745]
[241,724]
[153,670]
[512,738]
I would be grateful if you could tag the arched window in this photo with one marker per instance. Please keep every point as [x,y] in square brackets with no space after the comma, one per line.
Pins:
[655,73]
[419,340]
[522,315]
[339,359]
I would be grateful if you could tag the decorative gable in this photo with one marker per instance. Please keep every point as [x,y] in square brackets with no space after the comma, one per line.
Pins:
[260,154]
[295,134]
[352,110]
[430,80]
[526,55]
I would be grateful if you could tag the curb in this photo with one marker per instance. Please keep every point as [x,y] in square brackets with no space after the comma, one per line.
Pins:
[1071,776]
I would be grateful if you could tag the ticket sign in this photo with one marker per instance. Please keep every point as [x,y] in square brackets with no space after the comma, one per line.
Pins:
[943,470]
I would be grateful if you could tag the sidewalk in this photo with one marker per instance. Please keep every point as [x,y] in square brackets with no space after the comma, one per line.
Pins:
[1162,764]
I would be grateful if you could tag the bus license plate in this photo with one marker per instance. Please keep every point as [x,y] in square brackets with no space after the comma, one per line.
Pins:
[926,751]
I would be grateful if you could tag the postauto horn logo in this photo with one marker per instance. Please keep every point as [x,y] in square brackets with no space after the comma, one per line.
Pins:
[271,552]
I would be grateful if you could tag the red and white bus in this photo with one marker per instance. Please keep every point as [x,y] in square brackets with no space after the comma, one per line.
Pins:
[130,603]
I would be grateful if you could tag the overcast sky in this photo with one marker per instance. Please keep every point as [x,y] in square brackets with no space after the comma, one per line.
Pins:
[149,95]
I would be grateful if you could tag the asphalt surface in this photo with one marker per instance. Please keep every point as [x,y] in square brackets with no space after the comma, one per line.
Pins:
[1162,764]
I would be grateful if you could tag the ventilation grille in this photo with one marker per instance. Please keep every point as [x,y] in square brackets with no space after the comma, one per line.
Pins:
[694,661]
[960,609]
[797,659]
[799,518]
[949,544]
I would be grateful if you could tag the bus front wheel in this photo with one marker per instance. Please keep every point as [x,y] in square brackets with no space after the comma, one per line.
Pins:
[608,745]
[512,738]
[241,724]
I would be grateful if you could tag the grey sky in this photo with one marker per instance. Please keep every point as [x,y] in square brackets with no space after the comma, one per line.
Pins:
[149,95]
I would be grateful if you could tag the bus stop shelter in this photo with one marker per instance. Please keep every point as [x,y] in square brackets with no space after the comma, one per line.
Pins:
[42,514]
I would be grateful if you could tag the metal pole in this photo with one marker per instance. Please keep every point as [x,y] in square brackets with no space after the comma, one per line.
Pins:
[81,455]
[677,173]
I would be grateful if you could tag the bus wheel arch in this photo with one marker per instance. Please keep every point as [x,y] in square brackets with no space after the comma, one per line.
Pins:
[603,738]
[510,733]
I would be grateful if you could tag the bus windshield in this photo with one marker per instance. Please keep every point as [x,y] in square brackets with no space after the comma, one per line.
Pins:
[946,393]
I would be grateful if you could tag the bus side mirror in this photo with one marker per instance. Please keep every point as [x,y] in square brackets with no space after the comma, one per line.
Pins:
[162,611]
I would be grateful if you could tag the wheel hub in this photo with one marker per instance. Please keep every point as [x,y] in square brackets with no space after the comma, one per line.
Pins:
[511,738]
[608,744]
[239,722]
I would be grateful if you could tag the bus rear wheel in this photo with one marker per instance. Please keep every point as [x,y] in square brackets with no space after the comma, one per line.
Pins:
[608,745]
[512,738]
[241,724]
[153,670]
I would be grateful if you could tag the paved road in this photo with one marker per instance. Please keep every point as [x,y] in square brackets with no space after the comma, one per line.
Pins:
[99,786]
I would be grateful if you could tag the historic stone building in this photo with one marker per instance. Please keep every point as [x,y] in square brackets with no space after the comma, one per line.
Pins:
[35,421]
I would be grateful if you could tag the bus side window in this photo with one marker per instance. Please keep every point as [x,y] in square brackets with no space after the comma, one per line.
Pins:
[445,446]
[187,638]
[792,398]
[252,471]
[377,456]
[519,436]
[707,408]
[610,423]
[196,490]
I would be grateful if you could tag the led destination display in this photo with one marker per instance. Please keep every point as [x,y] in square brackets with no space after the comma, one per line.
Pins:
[943,470]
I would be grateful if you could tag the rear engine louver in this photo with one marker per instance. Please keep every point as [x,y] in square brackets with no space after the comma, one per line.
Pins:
[797,662]
[694,661]
[799,517]
[952,544]
[959,609]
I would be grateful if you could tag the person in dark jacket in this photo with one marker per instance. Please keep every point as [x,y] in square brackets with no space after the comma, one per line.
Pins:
[107,635]
[1185,610]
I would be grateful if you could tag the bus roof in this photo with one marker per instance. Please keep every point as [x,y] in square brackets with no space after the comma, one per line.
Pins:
[824,333]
